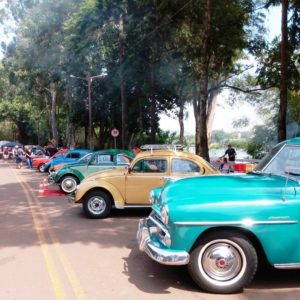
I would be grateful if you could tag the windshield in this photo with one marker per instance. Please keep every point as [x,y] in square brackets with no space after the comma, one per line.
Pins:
[267,158]
[282,160]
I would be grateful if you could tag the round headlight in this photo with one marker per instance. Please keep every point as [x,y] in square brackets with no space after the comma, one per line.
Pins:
[151,197]
[165,214]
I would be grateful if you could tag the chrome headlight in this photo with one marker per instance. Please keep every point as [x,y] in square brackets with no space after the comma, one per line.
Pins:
[165,215]
[154,195]
[151,197]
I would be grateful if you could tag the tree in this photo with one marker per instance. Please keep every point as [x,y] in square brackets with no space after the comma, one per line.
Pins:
[210,45]
[283,56]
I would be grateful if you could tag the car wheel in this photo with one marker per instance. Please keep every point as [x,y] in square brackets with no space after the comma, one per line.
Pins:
[68,184]
[97,204]
[41,168]
[223,262]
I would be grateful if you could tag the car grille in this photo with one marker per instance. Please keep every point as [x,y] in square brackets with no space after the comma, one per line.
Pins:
[160,229]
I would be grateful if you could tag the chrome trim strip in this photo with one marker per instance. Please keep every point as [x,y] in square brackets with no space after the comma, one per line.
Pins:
[287,266]
[158,224]
[244,223]
[121,206]
[136,206]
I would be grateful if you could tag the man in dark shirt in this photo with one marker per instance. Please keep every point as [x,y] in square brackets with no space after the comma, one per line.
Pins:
[231,154]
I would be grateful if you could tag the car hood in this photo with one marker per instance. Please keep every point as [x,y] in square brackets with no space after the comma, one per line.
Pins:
[106,174]
[69,166]
[226,188]
[57,160]
[41,158]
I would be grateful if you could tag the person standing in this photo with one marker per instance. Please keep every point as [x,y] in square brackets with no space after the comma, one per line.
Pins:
[231,153]
[18,152]
[28,157]
[225,167]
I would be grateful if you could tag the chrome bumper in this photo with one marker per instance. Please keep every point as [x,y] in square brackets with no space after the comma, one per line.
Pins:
[156,251]
[51,177]
[71,197]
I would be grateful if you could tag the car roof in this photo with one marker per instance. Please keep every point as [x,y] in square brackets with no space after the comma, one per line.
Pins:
[167,153]
[80,150]
[116,151]
[295,140]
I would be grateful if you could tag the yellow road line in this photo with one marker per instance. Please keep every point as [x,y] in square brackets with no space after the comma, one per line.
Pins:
[71,275]
[53,274]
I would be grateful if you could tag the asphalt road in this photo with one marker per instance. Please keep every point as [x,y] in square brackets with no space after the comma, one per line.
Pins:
[49,250]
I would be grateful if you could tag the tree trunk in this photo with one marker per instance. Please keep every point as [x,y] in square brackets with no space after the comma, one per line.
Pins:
[152,107]
[53,113]
[212,103]
[122,84]
[201,135]
[48,114]
[181,120]
[101,135]
[196,107]
[281,126]
[141,124]
[70,134]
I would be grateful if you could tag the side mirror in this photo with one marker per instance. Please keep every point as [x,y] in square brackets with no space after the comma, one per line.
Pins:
[128,169]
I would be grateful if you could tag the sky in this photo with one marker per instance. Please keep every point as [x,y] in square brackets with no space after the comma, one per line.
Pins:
[225,114]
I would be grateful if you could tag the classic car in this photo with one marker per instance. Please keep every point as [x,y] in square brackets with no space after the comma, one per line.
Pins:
[130,187]
[223,226]
[69,176]
[40,162]
[69,157]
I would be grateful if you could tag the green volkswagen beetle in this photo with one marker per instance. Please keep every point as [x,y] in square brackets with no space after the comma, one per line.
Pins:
[69,176]
[223,226]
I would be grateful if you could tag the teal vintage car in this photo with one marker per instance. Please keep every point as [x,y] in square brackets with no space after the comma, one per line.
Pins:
[69,176]
[223,226]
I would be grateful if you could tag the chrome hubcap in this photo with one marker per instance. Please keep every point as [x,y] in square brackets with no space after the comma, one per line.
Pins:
[69,185]
[221,261]
[97,205]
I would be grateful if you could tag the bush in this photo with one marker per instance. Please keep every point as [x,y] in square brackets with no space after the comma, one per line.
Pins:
[257,151]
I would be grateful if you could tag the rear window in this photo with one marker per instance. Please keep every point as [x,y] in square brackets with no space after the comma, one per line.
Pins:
[184,166]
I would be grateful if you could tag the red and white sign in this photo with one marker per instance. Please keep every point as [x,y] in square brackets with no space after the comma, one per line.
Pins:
[115,132]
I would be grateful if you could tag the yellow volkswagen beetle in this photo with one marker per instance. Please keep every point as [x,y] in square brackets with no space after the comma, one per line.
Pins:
[130,187]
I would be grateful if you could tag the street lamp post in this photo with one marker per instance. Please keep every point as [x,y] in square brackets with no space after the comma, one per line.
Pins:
[89,79]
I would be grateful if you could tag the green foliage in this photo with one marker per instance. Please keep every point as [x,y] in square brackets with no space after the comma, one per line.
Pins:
[257,151]
[263,138]
[162,59]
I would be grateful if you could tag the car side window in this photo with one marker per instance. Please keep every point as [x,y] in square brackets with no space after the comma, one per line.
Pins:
[184,166]
[150,166]
[123,159]
[102,159]
[74,155]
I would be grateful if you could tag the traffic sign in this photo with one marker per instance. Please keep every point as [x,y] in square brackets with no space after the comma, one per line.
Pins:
[115,132]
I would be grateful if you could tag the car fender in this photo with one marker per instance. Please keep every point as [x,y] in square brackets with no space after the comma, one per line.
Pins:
[89,186]
[68,172]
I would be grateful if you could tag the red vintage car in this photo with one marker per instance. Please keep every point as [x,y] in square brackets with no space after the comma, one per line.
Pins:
[40,162]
